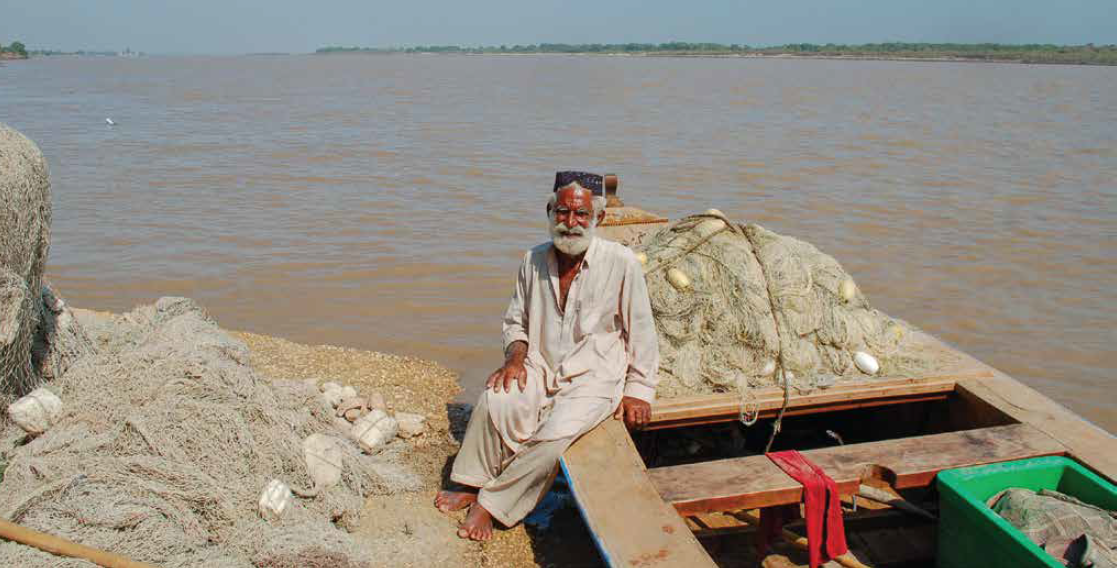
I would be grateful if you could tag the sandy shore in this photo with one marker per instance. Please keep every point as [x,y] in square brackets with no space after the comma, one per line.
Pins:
[408,529]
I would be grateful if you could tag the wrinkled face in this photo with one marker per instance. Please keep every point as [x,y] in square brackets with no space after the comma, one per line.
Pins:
[572,219]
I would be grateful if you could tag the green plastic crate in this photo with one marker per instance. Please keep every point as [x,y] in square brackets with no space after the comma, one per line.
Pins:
[971,534]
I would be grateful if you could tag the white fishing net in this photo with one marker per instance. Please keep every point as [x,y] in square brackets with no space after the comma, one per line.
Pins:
[166,441]
[25,217]
[39,337]
[758,303]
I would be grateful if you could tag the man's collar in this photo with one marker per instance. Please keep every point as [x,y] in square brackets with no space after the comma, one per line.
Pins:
[590,251]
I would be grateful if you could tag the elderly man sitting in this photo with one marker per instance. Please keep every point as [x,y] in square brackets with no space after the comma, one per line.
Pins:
[580,343]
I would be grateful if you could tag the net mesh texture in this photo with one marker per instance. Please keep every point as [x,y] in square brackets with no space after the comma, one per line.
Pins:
[25,217]
[759,305]
[166,441]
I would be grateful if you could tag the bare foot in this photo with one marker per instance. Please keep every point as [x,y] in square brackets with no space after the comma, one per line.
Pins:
[478,524]
[449,501]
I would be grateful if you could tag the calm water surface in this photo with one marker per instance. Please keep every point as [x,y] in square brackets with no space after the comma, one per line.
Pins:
[382,202]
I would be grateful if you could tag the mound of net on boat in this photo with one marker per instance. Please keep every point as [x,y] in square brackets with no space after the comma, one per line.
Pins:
[168,440]
[739,307]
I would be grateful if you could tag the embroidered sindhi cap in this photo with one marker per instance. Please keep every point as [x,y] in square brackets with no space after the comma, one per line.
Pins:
[591,182]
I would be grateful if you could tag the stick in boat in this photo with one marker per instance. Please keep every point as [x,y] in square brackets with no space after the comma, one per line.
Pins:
[62,547]
[875,494]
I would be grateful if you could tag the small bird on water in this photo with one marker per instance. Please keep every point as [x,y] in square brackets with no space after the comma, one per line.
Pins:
[110,122]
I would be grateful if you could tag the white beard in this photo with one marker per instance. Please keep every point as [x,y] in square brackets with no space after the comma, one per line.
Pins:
[575,242]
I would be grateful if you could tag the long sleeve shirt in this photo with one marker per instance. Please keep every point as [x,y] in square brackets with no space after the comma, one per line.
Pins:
[603,343]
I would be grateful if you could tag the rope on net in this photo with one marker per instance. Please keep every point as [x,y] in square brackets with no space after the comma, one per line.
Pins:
[755,308]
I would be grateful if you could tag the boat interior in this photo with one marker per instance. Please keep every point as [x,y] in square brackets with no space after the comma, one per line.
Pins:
[687,491]
[873,439]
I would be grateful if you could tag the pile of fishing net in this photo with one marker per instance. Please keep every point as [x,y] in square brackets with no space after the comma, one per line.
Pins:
[165,444]
[1077,534]
[740,307]
[38,337]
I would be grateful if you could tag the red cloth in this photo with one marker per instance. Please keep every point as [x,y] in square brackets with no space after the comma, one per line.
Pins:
[826,537]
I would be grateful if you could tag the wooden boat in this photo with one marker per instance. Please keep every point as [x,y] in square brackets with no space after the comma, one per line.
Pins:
[646,509]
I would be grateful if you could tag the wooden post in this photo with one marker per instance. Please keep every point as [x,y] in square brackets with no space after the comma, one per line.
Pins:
[62,547]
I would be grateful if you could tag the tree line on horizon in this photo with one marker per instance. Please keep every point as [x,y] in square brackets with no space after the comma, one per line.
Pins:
[1026,53]
[15,47]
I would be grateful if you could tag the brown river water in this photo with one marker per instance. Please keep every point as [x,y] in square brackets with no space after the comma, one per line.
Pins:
[383,202]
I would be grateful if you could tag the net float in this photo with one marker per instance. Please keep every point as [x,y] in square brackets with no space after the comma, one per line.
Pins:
[710,227]
[274,500]
[847,289]
[768,368]
[323,455]
[679,279]
[866,363]
[373,430]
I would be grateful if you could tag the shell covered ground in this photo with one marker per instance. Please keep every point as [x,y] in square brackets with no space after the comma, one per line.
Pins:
[406,528]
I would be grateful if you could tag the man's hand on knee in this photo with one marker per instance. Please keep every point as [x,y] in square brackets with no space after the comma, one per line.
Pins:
[634,411]
[512,371]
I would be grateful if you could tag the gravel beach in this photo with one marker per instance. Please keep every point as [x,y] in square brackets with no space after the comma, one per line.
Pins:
[407,528]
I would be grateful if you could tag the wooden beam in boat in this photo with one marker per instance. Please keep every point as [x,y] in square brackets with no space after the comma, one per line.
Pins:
[632,525]
[755,481]
[1087,443]
[696,410]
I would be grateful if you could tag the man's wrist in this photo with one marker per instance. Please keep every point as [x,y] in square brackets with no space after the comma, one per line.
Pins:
[515,352]
[640,391]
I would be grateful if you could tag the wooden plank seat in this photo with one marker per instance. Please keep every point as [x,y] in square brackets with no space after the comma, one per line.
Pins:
[753,482]
[713,408]
[632,525]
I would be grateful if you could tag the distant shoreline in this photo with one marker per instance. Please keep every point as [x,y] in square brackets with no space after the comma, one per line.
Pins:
[866,57]
[1088,54]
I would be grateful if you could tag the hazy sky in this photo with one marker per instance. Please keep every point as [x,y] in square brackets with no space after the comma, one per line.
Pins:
[236,26]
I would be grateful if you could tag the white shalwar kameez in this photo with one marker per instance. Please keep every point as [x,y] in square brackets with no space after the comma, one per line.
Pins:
[581,360]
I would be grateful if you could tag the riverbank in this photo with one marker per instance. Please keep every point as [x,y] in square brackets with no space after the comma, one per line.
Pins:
[11,56]
[402,528]
[784,56]
[979,53]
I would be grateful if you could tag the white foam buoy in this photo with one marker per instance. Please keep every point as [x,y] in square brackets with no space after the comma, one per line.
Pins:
[866,363]
[110,122]
[847,289]
[410,425]
[679,279]
[323,455]
[710,227]
[275,499]
[36,412]
[374,429]
[769,367]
